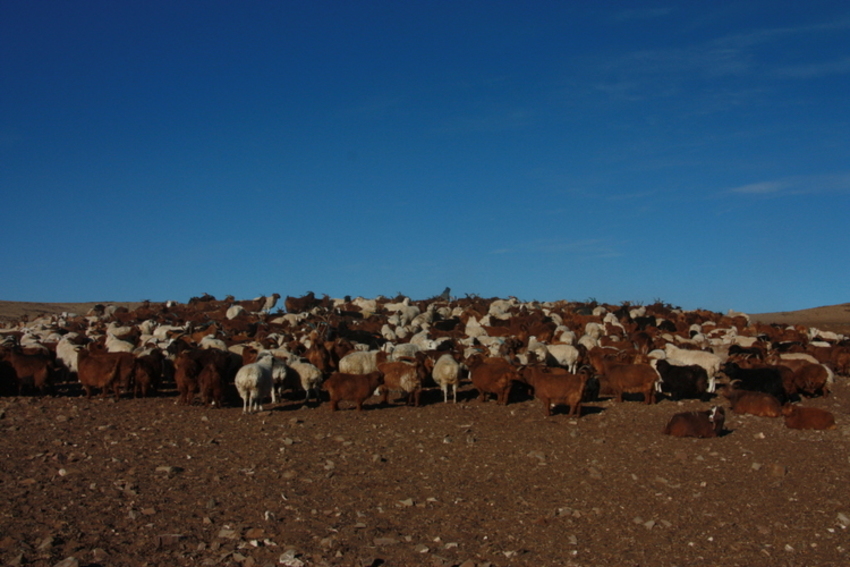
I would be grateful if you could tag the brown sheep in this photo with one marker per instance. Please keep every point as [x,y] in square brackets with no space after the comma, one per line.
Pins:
[352,387]
[798,417]
[702,424]
[556,385]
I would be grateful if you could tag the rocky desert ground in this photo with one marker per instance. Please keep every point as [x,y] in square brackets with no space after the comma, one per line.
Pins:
[148,482]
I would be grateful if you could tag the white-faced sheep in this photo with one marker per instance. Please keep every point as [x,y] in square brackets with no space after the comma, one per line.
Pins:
[235,311]
[114,344]
[309,376]
[67,350]
[359,362]
[270,302]
[683,357]
[446,373]
[254,382]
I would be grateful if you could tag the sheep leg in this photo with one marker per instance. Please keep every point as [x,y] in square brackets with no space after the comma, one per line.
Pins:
[547,407]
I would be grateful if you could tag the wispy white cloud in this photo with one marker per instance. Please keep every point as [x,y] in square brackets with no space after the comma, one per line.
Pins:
[762,188]
[796,185]
[660,73]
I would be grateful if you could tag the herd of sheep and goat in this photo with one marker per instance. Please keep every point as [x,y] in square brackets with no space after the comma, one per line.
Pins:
[562,353]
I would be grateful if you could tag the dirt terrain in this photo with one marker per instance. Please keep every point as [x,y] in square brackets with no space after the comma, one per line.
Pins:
[147,482]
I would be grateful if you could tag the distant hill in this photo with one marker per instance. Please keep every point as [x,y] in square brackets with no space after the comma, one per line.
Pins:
[828,318]
[14,310]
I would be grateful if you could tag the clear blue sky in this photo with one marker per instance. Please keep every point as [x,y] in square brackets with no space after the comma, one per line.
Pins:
[696,152]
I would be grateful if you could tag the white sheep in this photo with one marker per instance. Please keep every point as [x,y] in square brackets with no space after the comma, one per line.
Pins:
[359,362]
[446,373]
[594,329]
[565,355]
[163,331]
[499,308]
[235,311]
[309,375]
[388,333]
[588,341]
[254,382]
[114,344]
[405,350]
[407,313]
[474,328]
[682,357]
[209,341]
[270,302]
[67,350]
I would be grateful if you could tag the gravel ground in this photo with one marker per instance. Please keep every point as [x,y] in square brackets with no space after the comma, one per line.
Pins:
[146,482]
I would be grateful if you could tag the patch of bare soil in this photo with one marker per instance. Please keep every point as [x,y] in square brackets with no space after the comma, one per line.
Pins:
[146,482]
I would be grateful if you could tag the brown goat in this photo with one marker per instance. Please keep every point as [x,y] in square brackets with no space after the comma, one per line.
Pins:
[812,379]
[33,369]
[492,375]
[147,373]
[351,387]
[760,404]
[98,371]
[405,377]
[186,370]
[211,385]
[629,379]
[798,417]
[703,424]
[556,385]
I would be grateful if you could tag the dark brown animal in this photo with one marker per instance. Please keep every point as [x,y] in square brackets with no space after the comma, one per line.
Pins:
[98,371]
[812,379]
[147,373]
[553,385]
[351,387]
[702,424]
[760,404]
[211,385]
[31,370]
[186,370]
[492,375]
[629,379]
[798,417]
